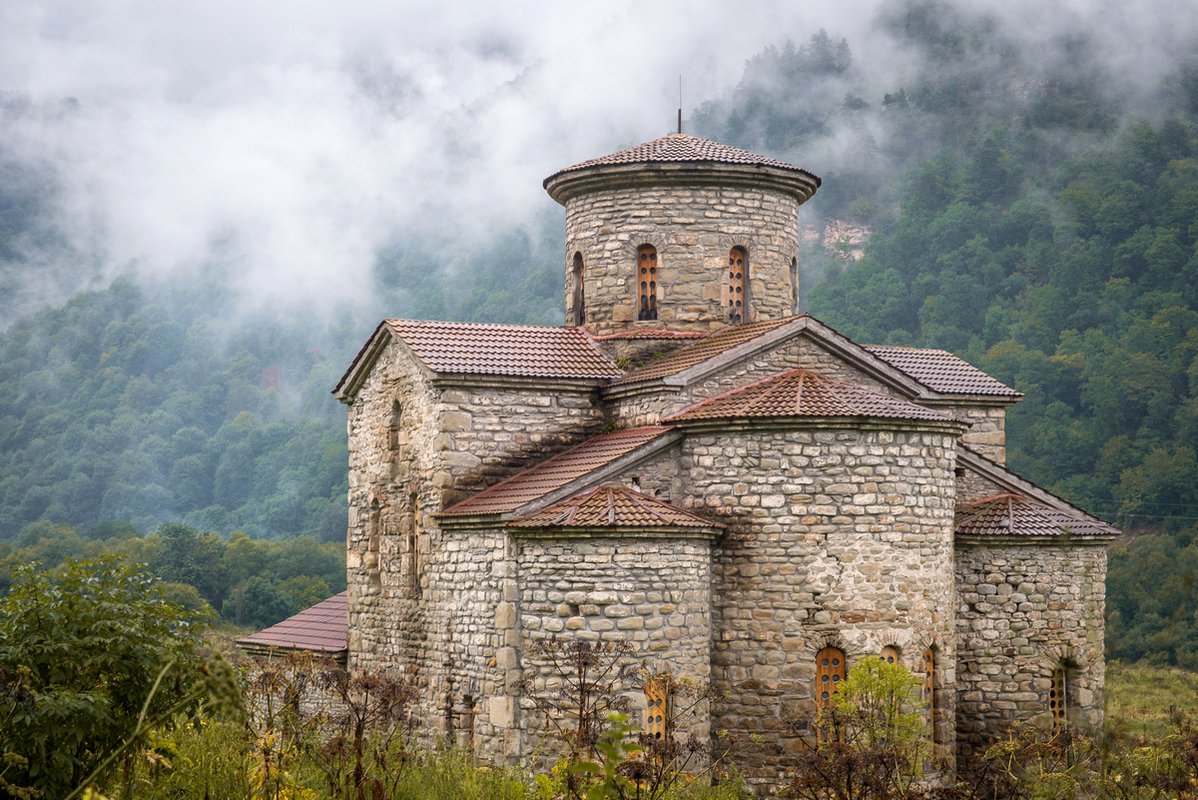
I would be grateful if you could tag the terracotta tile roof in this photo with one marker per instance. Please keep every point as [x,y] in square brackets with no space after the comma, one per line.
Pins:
[715,344]
[612,506]
[651,334]
[803,393]
[324,627]
[1015,515]
[682,147]
[524,350]
[556,472]
[942,371]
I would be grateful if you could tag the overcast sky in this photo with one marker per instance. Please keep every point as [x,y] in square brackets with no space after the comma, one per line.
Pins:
[296,138]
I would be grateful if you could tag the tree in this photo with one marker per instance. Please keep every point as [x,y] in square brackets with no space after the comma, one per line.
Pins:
[92,656]
[872,741]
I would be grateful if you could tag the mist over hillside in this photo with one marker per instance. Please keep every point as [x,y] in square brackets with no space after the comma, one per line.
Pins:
[203,215]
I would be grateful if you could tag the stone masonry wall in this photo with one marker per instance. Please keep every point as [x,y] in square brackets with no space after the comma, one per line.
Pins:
[1023,611]
[654,593]
[987,432]
[693,229]
[489,432]
[835,537]
[390,455]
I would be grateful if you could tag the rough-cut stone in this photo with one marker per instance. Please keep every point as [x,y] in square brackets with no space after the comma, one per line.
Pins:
[835,531]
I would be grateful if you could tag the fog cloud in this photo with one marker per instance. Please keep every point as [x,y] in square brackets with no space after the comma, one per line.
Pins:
[288,142]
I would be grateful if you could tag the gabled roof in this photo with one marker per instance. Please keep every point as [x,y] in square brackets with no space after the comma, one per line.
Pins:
[612,506]
[557,472]
[803,393]
[1008,514]
[322,628]
[714,345]
[475,348]
[1016,484]
[942,371]
[684,148]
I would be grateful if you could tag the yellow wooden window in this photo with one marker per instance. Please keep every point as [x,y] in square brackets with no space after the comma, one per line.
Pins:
[830,671]
[657,707]
[889,654]
[929,690]
[738,266]
[646,288]
[1058,699]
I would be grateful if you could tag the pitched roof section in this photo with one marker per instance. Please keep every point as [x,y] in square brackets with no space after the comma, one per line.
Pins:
[942,371]
[716,344]
[323,628]
[524,350]
[1009,514]
[612,506]
[683,148]
[803,393]
[554,473]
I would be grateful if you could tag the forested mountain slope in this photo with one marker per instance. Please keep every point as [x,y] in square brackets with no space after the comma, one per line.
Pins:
[1026,213]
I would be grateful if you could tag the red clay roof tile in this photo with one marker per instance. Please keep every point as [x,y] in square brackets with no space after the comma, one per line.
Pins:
[710,347]
[942,371]
[556,472]
[682,147]
[803,393]
[1011,514]
[324,627]
[521,350]
[612,506]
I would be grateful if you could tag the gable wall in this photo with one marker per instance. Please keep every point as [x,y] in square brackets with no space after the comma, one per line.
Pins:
[488,433]
[386,615]
[797,352]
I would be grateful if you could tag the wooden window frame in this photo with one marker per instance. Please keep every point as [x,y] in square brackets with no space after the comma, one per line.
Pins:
[1058,696]
[657,707]
[928,690]
[648,271]
[738,285]
[890,654]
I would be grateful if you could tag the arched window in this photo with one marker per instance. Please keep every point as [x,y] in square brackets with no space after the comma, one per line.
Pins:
[1058,696]
[657,706]
[929,690]
[738,292]
[646,286]
[889,654]
[580,314]
[794,285]
[830,672]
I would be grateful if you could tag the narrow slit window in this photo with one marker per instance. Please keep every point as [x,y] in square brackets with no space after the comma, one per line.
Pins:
[414,546]
[580,313]
[794,286]
[929,690]
[738,272]
[646,286]
[1058,697]
[657,707]
[374,537]
[393,428]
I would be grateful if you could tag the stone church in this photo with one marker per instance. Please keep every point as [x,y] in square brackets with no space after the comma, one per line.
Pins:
[742,493]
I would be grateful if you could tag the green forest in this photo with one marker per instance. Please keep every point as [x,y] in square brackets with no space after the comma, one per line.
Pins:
[1022,215]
